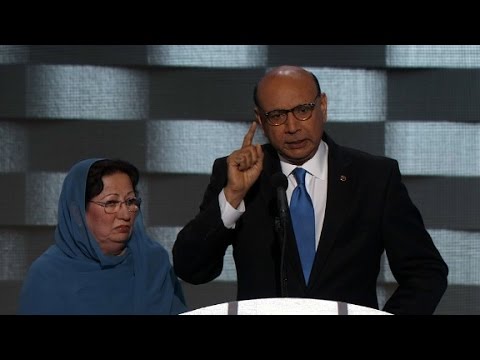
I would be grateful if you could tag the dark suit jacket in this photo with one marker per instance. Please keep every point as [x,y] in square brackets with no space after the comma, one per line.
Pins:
[367,213]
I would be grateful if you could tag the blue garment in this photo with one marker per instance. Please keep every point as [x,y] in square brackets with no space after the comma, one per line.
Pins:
[73,276]
[303,221]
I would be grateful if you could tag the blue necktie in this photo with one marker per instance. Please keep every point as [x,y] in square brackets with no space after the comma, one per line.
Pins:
[303,221]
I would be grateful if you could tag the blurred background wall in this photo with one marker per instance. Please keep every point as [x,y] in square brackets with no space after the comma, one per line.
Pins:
[172,109]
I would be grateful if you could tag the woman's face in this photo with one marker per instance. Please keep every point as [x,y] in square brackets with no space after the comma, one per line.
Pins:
[112,231]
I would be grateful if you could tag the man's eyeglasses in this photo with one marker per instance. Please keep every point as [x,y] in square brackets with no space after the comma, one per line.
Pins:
[301,112]
[113,206]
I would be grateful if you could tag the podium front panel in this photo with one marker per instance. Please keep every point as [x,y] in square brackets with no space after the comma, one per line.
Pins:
[286,306]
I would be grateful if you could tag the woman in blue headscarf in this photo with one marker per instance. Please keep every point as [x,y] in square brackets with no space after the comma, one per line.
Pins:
[103,261]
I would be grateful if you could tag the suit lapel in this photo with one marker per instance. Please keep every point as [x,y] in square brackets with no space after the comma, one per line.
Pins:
[341,183]
[271,166]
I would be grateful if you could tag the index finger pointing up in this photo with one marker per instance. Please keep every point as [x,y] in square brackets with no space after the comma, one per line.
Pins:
[247,140]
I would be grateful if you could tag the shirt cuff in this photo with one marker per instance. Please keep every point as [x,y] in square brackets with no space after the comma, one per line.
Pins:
[229,214]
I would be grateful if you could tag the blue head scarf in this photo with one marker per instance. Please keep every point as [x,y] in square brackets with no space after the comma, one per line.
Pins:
[75,277]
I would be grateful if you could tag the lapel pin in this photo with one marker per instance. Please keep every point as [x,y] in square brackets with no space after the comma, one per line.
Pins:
[343,178]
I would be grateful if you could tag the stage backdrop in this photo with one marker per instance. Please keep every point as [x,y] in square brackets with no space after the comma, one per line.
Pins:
[172,109]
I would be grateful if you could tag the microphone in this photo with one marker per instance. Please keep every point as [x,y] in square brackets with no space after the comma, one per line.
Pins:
[280,183]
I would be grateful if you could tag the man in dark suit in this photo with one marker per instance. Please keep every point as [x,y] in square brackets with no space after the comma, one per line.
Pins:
[361,208]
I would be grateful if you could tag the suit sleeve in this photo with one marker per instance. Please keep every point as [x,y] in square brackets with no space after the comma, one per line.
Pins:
[200,246]
[415,262]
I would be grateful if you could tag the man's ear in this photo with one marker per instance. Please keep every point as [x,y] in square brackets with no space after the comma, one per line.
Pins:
[324,107]
[258,118]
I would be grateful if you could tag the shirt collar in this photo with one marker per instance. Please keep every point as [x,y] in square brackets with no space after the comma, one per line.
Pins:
[316,166]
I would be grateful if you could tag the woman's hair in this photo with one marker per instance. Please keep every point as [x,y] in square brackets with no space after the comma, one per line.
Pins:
[105,167]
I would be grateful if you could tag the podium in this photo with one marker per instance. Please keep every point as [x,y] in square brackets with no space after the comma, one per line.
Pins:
[285,306]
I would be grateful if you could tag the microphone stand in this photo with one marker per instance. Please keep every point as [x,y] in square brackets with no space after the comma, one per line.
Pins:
[281,227]
[280,183]
[283,273]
